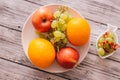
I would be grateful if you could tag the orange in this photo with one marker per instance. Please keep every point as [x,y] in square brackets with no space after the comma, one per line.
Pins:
[41,52]
[78,31]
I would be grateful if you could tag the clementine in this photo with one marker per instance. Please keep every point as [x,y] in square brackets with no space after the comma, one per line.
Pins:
[78,31]
[41,52]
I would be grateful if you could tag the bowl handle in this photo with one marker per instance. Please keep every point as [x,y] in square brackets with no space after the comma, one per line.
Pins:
[112,27]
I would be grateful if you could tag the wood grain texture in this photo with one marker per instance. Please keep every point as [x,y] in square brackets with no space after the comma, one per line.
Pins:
[14,52]
[98,10]
[13,14]
[13,71]
[11,9]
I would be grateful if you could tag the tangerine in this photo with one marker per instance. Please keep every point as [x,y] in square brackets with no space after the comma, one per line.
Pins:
[41,52]
[78,31]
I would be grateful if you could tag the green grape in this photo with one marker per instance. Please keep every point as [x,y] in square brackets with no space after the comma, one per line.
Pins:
[111,34]
[65,40]
[54,24]
[99,46]
[69,18]
[57,34]
[61,21]
[106,46]
[101,39]
[63,28]
[64,16]
[57,39]
[101,51]
[62,36]
[59,25]
[57,14]
[109,39]
[111,50]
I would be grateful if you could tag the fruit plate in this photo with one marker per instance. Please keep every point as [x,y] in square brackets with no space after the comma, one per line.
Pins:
[28,34]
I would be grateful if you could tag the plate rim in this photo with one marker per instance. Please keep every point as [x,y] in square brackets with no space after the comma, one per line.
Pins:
[29,16]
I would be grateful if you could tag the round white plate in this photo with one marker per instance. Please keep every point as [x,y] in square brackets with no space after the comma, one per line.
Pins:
[28,34]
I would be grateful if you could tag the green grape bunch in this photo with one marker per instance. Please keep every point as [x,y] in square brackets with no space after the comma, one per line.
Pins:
[57,34]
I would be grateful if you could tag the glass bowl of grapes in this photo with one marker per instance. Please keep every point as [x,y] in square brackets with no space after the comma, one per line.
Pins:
[107,42]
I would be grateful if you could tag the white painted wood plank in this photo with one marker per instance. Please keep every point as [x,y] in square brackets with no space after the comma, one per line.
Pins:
[13,71]
[14,52]
[14,12]
[91,66]
[103,11]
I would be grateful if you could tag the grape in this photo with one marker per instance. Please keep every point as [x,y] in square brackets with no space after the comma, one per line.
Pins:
[62,36]
[99,45]
[57,39]
[63,28]
[111,50]
[106,46]
[54,24]
[109,39]
[101,51]
[101,39]
[59,25]
[64,16]
[69,18]
[65,40]
[61,21]
[57,34]
[111,34]
[57,14]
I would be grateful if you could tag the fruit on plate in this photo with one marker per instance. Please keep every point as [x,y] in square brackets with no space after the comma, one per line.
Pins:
[41,52]
[57,34]
[78,31]
[67,57]
[41,19]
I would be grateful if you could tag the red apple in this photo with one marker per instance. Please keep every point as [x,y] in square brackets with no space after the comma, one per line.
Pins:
[67,57]
[41,19]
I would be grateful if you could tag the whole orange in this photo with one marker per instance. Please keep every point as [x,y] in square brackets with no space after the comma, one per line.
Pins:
[78,31]
[41,52]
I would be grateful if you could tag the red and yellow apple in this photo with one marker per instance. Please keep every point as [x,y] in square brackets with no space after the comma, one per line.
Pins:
[67,57]
[41,19]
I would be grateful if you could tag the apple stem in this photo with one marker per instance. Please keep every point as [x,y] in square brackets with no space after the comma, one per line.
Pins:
[57,48]
[44,20]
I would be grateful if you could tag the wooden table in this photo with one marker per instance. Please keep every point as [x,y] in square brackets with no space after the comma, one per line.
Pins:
[15,66]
